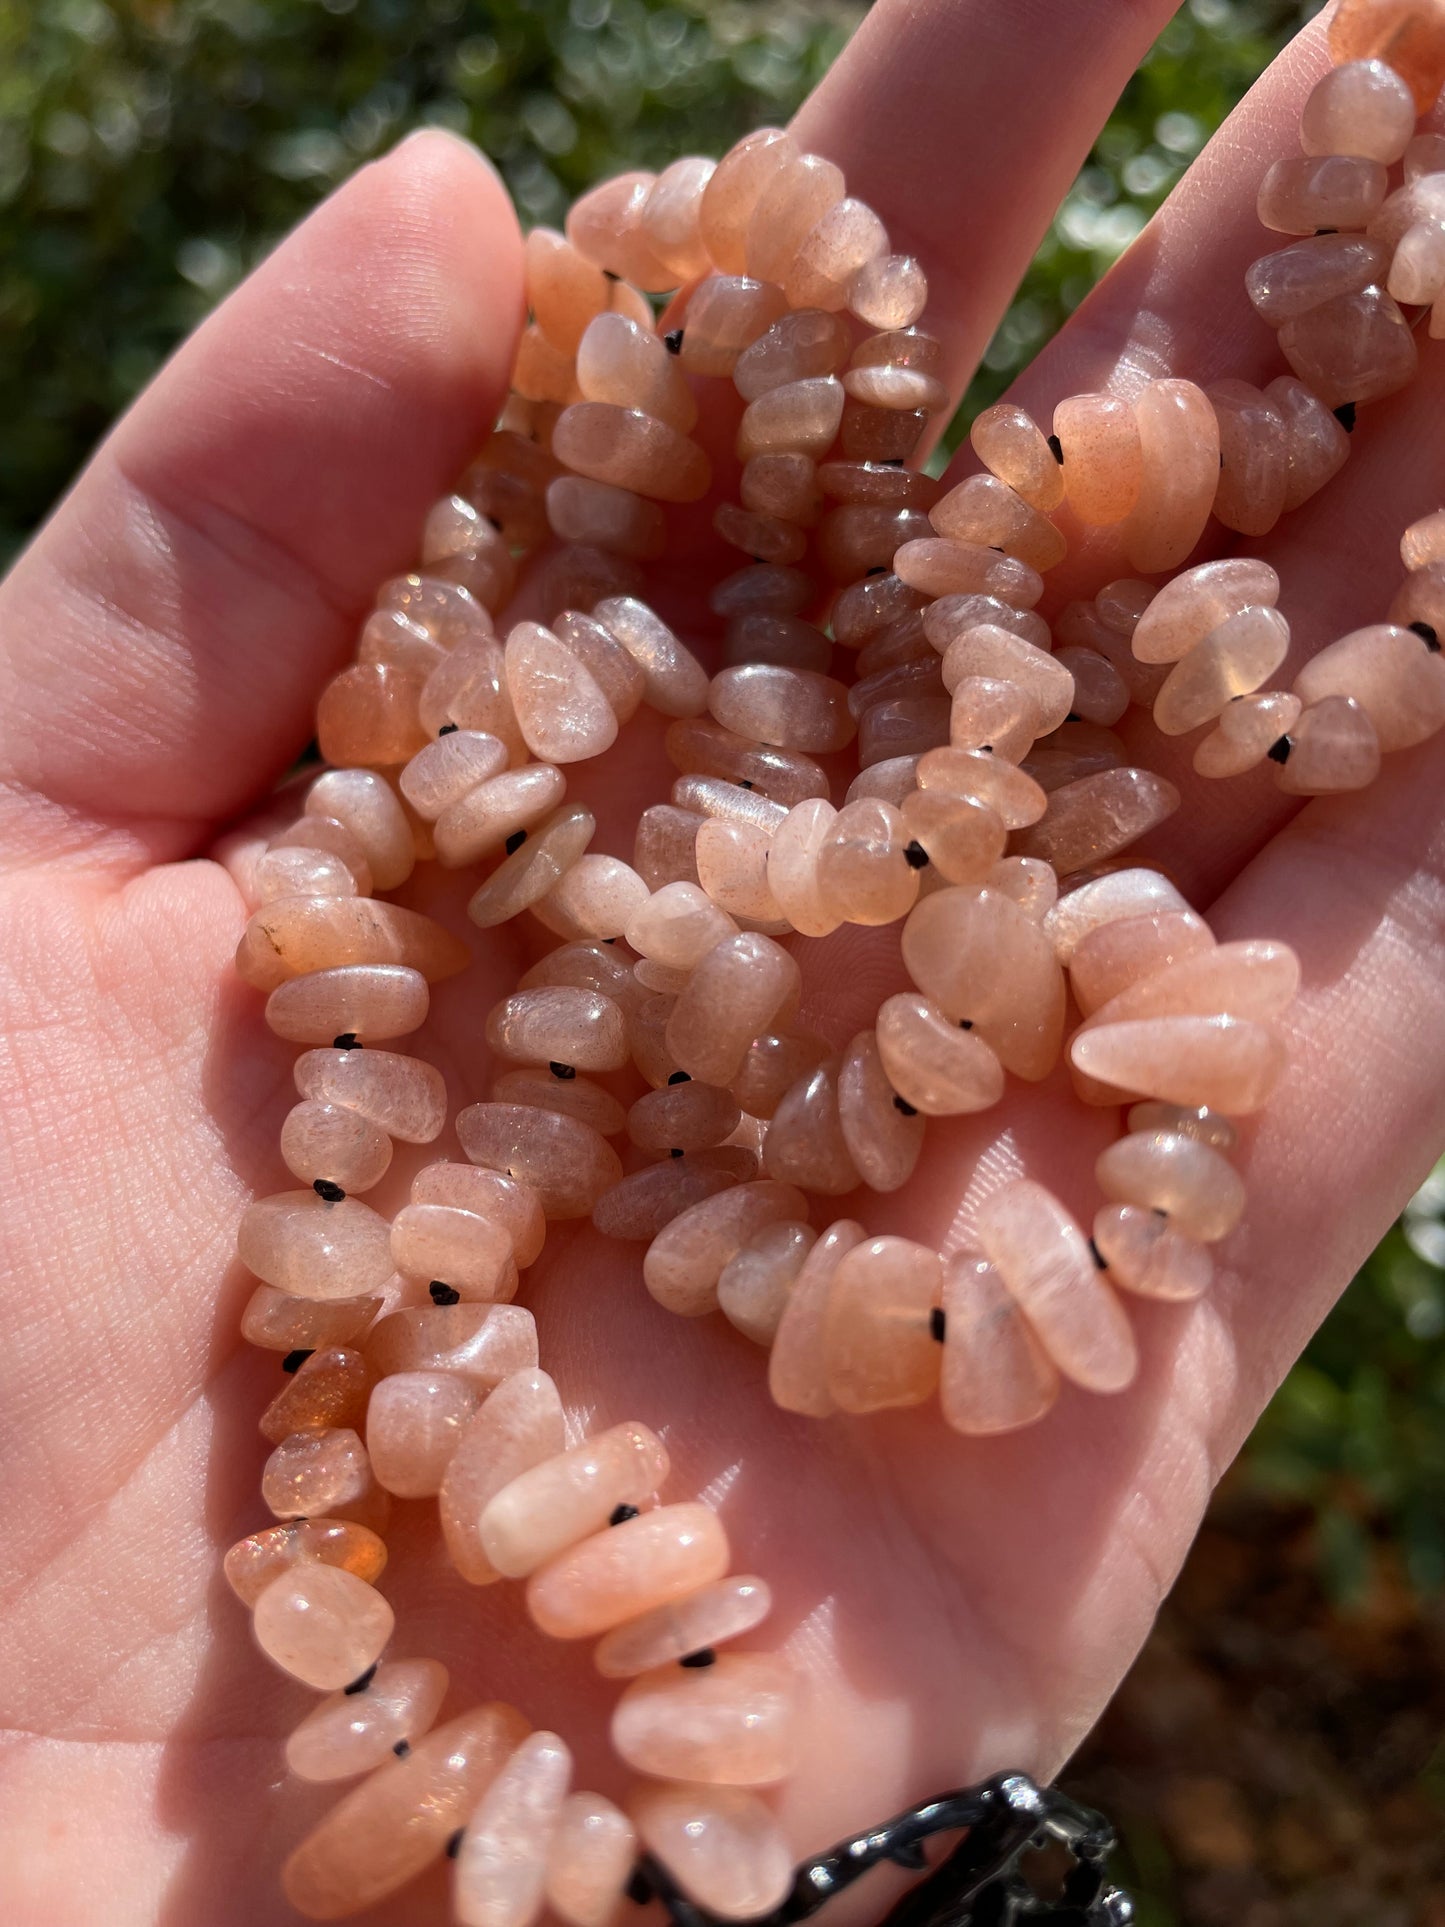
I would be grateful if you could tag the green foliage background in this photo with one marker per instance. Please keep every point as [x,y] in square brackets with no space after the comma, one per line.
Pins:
[152,150]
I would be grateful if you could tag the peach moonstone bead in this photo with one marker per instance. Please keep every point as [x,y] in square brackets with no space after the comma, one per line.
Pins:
[413,1426]
[1254,977]
[722,1845]
[548,1508]
[1103,462]
[325,1473]
[1409,34]
[1233,660]
[1395,676]
[623,363]
[1097,816]
[1361,107]
[805,1144]
[350,1733]
[253,1562]
[1245,733]
[685,1260]
[1354,348]
[696,1623]
[304,1245]
[455,1247]
[733,190]
[728,1724]
[1199,1191]
[490,1194]
[883,1141]
[1332,747]
[329,1389]
[1046,1266]
[737,990]
[567,1163]
[1179,473]
[559,1024]
[369,1001]
[1299,277]
[725,314]
[941,1070]
[981,959]
[1231,1064]
[1195,603]
[483,1343]
[1013,447]
[1116,955]
[277,1322]
[878,1344]
[589,1861]
[674,681]
[995,1376]
[632,450]
[1145,1254]
[797,1377]
[322,1625]
[399,1819]
[563,713]
[794,198]
[1117,894]
[628,1569]
[520,1425]
[298,934]
[403,1096]
[502,1862]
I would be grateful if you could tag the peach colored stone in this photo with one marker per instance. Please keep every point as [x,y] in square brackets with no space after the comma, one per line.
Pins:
[1046,1266]
[728,1724]
[493,811]
[961,835]
[902,726]
[1299,277]
[549,1507]
[469,689]
[832,252]
[1232,660]
[1254,458]
[606,226]
[741,986]
[642,1204]
[805,1145]
[984,510]
[1105,900]
[403,1096]
[1100,693]
[391,1827]
[312,1248]
[367,805]
[482,1343]
[883,1139]
[1096,817]
[725,314]
[1195,603]
[764,589]
[1179,454]
[567,1163]
[253,1562]
[458,1248]
[322,1625]
[1196,1121]
[1396,677]
[1254,978]
[878,1344]
[1302,195]
[989,651]
[575,1097]
[863,874]
[350,1733]
[696,1623]
[800,417]
[631,449]
[1332,747]
[977,955]
[504,1200]
[1317,445]
[1117,955]
[1362,107]
[795,196]
[589,1860]
[1013,797]
[603,516]
[563,713]
[783,484]
[767,538]
[684,1261]
[501,1865]
[670,217]
[518,1426]
[559,1024]
[796,347]
[1246,731]
[1190,1183]
[314,1474]
[674,681]
[722,1845]
[943,568]
[300,871]
[1031,884]
[677,926]
[1145,1254]
[414,1425]
[277,1322]
[594,898]
[797,1375]
[448,769]
[753,1286]
[329,1388]
[627,365]
[1424,541]
[1103,457]
[994,1376]
[771,1065]
[691,1116]
[368,715]
[732,867]
[732,193]
[627,1569]
[1012,445]
[1353,348]
[329,1142]
[1231,1064]
[994,715]
[888,291]
[933,1065]
[295,935]
[564,289]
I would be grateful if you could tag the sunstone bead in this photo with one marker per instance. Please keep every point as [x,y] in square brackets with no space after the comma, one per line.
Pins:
[805,1144]
[330,1388]
[732,193]
[278,1322]
[1179,451]
[1333,747]
[643,1203]
[252,1563]
[1409,34]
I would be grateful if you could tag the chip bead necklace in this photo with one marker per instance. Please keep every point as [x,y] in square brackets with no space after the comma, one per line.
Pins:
[988,816]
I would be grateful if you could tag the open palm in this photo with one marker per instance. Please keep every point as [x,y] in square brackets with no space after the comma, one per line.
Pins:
[956,1605]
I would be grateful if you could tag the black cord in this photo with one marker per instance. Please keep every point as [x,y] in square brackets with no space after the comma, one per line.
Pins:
[978,1884]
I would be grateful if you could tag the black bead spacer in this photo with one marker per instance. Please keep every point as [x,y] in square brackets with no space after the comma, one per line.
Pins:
[1427,635]
[621,1514]
[1099,1259]
[878,569]
[348,1040]
[965,1023]
[902,1104]
[704,1656]
[326,1190]
[680,1077]
[891,461]
[639,1888]
[1278,752]
[514,842]
[402,1748]
[915,856]
[454,1843]
[938,1324]
[674,1152]
[448,729]
[672,341]
[744,783]
[610,275]
[1073,717]
[566,1072]
[443,1294]
[1056,449]
[293,1361]
[1345,416]
[360,1684]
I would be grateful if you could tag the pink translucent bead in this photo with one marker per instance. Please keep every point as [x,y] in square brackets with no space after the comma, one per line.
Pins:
[312,1248]
[878,1344]
[1096,817]
[736,991]
[413,1426]
[1191,1184]
[517,1427]
[1245,733]
[1353,348]
[626,1570]
[1232,660]
[933,1065]
[832,252]
[722,1845]
[733,190]
[1410,34]
[805,1144]
[1103,460]
[888,291]
[728,1724]
[501,1865]
[1332,748]
[551,1506]
[1046,1265]
[628,365]
[981,959]
[605,226]
[670,217]
[482,1343]
[995,1376]
[278,1322]
[403,1096]
[322,1625]
[253,1562]
[1145,1254]
[330,1142]
[794,198]
[1010,443]
[370,1001]
[1231,1064]
[698,1622]
[674,681]
[797,1373]
[589,1861]
[1396,677]
[685,1260]
[350,1733]
[632,450]
[1254,457]
[725,314]
[1179,445]
[295,935]
[567,1163]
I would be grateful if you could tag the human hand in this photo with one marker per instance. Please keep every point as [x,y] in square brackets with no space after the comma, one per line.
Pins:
[955,1605]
